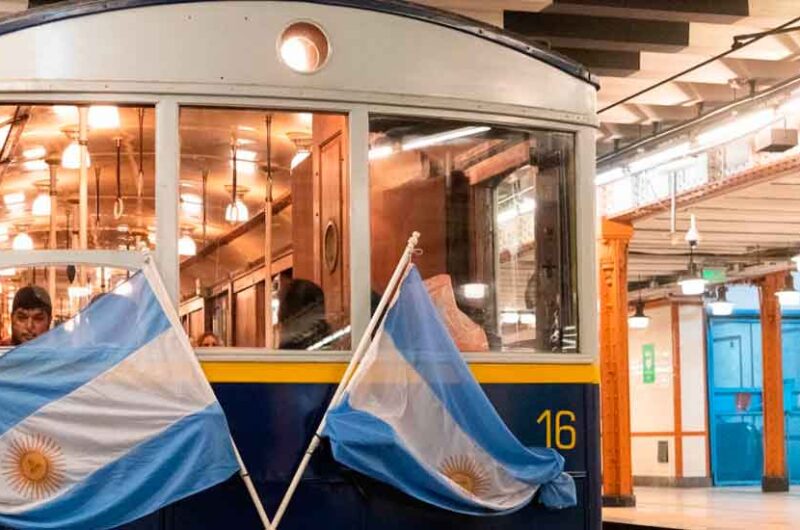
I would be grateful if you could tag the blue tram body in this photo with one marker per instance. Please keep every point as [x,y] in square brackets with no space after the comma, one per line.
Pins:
[272,424]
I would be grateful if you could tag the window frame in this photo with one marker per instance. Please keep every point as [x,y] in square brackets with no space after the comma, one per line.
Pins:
[167,177]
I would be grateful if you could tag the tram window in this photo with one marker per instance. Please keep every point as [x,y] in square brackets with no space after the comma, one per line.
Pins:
[67,295]
[232,160]
[40,177]
[495,211]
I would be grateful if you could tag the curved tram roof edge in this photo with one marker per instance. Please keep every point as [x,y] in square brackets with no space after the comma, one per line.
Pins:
[73,9]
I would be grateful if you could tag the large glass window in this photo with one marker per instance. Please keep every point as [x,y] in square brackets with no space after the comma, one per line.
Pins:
[495,210]
[74,177]
[258,183]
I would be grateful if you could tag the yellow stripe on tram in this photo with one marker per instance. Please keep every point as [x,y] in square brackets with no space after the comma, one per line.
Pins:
[282,372]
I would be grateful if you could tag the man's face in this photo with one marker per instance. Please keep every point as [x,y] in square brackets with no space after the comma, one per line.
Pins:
[27,324]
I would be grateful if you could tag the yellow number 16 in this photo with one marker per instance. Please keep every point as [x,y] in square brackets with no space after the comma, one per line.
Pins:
[565,434]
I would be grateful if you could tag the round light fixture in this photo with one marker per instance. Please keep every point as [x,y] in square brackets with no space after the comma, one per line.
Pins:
[22,241]
[303,47]
[187,246]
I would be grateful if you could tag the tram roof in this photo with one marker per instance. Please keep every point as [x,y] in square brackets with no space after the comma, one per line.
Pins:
[72,9]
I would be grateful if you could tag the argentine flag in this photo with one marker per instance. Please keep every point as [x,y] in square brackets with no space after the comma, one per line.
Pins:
[413,416]
[107,417]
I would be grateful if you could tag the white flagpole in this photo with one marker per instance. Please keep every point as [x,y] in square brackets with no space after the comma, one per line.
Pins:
[157,285]
[251,489]
[358,354]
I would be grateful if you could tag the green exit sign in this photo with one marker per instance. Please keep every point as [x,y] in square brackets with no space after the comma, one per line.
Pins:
[714,275]
[648,363]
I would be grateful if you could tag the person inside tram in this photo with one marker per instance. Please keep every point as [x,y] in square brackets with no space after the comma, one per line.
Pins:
[209,340]
[301,315]
[31,313]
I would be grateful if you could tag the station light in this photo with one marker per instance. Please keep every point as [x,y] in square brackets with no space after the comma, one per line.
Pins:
[742,126]
[721,307]
[659,157]
[693,283]
[788,296]
[639,320]
[609,176]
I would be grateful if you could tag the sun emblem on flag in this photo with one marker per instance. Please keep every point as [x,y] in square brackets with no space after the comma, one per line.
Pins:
[34,466]
[467,473]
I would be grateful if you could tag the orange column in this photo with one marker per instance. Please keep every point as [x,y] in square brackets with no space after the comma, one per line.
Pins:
[775,477]
[614,387]
[677,389]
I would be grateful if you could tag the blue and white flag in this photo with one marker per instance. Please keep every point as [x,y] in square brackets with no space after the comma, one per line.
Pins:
[413,416]
[107,417]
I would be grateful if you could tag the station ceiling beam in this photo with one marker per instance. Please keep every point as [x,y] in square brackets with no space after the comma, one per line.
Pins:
[605,63]
[592,32]
[714,11]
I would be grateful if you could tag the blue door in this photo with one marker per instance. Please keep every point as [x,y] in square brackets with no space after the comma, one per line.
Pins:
[735,411]
[735,402]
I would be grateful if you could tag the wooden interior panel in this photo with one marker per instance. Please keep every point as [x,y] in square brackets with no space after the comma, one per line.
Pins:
[305,222]
[332,275]
[248,318]
[197,323]
[396,212]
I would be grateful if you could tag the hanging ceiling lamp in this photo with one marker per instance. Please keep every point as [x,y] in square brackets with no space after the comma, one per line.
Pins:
[22,241]
[236,211]
[42,203]
[71,157]
[186,245]
[693,283]
[788,296]
[638,320]
[721,307]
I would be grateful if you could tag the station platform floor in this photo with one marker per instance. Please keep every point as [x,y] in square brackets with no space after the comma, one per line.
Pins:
[707,509]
